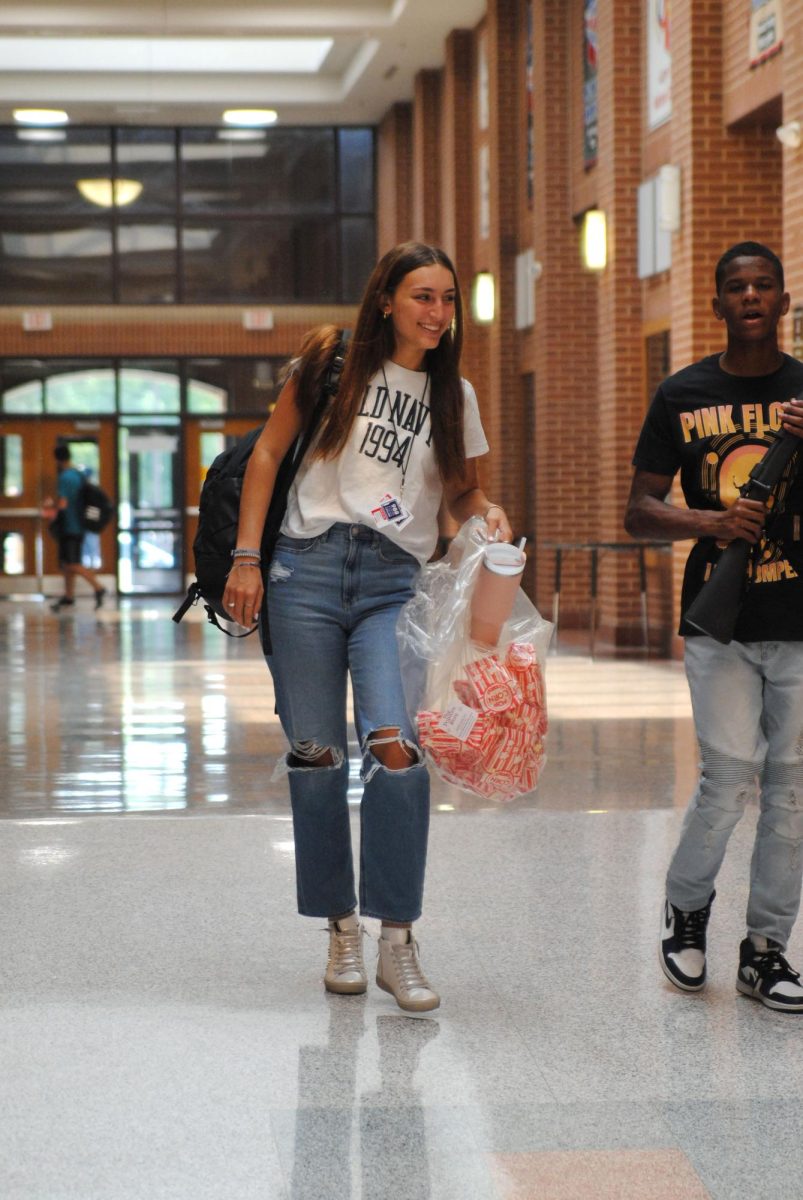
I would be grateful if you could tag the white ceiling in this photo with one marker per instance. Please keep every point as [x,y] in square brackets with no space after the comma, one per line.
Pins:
[181,62]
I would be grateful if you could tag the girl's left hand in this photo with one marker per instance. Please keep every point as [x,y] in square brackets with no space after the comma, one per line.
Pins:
[498,525]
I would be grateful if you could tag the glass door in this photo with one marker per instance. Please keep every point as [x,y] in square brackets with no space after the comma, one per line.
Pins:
[150,512]
[20,493]
[28,489]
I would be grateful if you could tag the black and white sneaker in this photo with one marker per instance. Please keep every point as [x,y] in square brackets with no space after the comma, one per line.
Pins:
[766,976]
[682,948]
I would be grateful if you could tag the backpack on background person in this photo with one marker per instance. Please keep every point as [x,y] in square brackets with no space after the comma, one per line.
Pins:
[96,507]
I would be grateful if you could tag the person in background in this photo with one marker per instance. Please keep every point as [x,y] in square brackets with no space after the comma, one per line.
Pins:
[70,531]
[712,421]
[402,434]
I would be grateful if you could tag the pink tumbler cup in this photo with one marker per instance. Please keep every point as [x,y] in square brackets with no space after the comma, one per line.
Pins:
[495,591]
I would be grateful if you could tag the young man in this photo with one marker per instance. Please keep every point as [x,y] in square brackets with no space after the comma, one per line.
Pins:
[71,531]
[712,422]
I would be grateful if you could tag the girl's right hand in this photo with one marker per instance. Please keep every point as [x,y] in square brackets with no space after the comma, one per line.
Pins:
[242,598]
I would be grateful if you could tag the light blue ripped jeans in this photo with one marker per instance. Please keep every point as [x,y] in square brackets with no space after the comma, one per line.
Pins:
[333,602]
[748,714]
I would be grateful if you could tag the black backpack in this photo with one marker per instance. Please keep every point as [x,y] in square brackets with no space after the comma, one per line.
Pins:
[219,511]
[95,507]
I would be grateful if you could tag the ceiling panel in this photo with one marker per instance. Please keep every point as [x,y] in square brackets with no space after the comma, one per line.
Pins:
[192,58]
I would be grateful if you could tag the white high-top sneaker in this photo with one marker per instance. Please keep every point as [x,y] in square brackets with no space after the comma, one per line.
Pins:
[345,970]
[398,971]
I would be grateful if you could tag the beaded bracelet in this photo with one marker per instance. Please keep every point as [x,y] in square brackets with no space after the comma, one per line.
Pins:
[245,562]
[257,554]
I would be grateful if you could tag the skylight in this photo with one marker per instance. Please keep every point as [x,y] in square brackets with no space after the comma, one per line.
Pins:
[164,55]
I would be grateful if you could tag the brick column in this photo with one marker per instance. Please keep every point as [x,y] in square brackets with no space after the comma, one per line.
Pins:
[426,156]
[504,419]
[730,187]
[458,206]
[620,381]
[730,178]
[793,161]
[394,174]
[564,343]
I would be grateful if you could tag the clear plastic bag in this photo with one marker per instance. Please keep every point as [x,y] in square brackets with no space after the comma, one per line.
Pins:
[480,711]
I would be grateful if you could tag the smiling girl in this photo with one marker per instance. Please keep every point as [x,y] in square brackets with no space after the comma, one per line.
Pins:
[402,435]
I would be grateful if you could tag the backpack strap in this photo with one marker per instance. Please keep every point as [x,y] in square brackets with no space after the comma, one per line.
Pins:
[194,594]
[289,469]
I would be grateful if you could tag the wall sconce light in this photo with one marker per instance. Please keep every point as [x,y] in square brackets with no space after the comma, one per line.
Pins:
[108,193]
[790,135]
[483,298]
[595,240]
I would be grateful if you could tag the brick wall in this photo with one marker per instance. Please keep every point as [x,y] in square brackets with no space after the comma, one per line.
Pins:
[560,463]
[122,331]
[792,162]
[745,90]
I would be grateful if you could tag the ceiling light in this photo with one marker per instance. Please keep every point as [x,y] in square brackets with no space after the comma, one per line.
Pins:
[41,135]
[250,116]
[40,116]
[595,240]
[108,193]
[789,135]
[241,135]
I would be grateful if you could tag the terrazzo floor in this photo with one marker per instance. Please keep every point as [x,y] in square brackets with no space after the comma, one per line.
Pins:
[164,1032]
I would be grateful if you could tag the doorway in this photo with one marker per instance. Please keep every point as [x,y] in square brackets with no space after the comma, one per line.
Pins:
[28,479]
[149,539]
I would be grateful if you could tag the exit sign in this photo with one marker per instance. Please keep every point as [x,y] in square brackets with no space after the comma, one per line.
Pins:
[37,321]
[258,318]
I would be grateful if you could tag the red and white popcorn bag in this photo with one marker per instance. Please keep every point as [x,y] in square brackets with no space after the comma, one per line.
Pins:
[480,711]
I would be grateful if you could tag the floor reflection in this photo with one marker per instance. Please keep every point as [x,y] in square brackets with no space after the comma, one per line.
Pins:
[125,712]
[362,1145]
[165,1026]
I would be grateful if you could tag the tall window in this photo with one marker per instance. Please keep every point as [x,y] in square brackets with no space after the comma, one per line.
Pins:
[197,216]
[136,387]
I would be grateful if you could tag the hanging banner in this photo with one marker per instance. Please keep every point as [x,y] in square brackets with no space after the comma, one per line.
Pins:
[766,30]
[659,64]
[590,50]
[483,85]
[484,211]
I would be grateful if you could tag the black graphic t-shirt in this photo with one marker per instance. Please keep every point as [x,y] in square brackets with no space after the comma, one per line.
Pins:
[714,427]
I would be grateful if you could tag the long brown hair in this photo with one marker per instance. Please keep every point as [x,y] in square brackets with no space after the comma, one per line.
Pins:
[372,344]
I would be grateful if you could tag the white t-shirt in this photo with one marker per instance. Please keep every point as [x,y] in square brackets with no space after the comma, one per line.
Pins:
[391,439]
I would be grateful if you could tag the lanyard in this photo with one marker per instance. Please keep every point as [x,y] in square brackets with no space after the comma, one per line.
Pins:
[395,427]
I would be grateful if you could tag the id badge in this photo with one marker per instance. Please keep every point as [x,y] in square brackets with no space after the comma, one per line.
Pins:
[391,511]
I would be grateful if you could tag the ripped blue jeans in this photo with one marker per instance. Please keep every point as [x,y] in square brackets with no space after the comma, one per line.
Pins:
[333,602]
[748,714]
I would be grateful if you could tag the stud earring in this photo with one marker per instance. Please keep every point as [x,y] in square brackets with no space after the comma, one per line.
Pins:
[386,314]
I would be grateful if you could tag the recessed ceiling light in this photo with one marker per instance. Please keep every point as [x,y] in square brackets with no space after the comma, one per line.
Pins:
[250,116]
[41,116]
